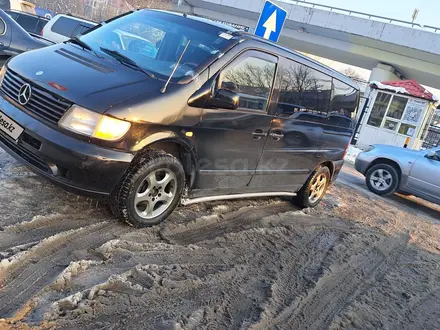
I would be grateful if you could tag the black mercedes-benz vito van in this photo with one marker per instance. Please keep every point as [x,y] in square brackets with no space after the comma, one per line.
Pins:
[155,108]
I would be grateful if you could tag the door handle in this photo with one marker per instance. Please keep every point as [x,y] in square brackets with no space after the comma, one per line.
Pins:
[258,134]
[276,135]
[1,43]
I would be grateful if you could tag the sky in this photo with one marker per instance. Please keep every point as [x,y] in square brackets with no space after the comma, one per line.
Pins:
[429,14]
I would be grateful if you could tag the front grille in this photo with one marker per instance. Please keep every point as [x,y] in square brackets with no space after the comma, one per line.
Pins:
[24,153]
[42,103]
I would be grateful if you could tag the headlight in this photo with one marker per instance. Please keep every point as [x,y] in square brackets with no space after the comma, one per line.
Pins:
[89,123]
[368,149]
[111,128]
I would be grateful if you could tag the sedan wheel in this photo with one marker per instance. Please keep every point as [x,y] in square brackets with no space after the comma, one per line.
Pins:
[382,179]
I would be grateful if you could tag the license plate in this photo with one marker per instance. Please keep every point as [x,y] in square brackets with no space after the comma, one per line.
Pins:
[10,127]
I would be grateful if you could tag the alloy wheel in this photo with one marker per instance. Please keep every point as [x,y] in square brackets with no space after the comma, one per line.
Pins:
[381,179]
[156,193]
[317,188]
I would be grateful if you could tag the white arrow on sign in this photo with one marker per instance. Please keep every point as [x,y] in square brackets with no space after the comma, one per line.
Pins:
[270,25]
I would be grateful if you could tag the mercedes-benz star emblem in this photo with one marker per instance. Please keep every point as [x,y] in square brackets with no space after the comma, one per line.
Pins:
[24,95]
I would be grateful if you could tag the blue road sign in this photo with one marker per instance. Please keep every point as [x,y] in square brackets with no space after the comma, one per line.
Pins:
[271,21]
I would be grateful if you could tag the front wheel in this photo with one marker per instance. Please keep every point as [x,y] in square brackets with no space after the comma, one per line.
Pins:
[150,190]
[314,189]
[382,179]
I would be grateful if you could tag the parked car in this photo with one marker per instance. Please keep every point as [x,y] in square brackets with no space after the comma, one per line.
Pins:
[63,27]
[389,169]
[15,40]
[32,23]
[198,119]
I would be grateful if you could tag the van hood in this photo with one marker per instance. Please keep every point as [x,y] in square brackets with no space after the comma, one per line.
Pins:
[82,78]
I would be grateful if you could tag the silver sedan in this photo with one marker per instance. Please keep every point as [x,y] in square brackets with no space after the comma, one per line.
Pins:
[388,169]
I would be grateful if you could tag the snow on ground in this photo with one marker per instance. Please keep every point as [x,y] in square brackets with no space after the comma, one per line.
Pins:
[357,261]
[352,153]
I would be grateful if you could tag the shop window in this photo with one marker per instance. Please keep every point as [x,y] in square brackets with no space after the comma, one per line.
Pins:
[407,129]
[379,109]
[397,107]
[391,125]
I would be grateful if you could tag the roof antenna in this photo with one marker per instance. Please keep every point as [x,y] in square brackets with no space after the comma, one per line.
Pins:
[164,88]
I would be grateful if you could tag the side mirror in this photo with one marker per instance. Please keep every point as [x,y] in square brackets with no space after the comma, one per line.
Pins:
[225,99]
[431,155]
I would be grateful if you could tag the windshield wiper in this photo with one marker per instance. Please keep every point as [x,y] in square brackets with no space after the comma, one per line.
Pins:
[126,60]
[79,42]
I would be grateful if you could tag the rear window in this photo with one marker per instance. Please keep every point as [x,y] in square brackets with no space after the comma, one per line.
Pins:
[65,26]
[345,99]
[12,14]
[82,28]
[27,22]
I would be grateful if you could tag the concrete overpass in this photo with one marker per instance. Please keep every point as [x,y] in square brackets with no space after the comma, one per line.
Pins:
[413,52]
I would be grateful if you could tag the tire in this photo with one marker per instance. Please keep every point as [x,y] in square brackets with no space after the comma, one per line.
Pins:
[382,179]
[150,190]
[306,197]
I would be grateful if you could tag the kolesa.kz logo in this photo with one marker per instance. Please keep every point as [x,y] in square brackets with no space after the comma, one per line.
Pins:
[6,125]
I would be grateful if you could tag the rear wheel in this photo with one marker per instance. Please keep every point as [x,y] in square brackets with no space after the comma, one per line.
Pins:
[382,179]
[314,189]
[150,190]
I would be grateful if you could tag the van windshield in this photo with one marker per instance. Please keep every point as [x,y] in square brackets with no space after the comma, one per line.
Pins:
[155,40]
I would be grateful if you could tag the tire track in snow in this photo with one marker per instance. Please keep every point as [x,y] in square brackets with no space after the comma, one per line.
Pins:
[338,286]
[36,268]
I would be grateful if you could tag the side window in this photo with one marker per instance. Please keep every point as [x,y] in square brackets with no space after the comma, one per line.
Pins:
[27,22]
[64,26]
[304,89]
[252,79]
[344,104]
[2,27]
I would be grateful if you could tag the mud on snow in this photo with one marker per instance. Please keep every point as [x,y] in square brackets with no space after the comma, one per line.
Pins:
[355,262]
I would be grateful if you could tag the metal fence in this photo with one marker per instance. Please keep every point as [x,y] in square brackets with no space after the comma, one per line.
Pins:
[432,138]
[364,15]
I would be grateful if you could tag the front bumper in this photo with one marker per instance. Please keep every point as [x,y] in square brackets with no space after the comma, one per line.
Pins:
[76,165]
[361,164]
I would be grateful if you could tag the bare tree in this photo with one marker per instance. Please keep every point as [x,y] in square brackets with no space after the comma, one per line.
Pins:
[299,78]
[252,76]
[62,6]
[157,4]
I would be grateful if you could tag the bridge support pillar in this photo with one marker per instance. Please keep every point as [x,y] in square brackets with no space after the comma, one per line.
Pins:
[384,72]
